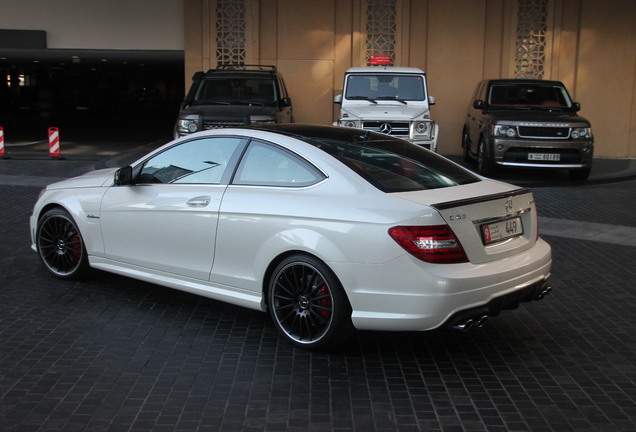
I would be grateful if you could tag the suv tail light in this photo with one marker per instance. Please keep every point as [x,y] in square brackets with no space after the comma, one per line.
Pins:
[433,244]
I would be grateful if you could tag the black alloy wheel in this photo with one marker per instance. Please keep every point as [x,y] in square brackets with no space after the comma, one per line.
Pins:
[307,303]
[60,244]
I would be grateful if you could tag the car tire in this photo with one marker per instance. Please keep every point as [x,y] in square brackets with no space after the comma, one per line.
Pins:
[485,167]
[60,245]
[308,304]
[466,146]
[580,174]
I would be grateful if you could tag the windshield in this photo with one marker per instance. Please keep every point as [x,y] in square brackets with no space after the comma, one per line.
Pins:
[529,95]
[385,86]
[236,91]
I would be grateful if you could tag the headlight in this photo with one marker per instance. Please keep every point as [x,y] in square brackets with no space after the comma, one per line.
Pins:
[188,125]
[505,131]
[350,123]
[581,133]
[421,128]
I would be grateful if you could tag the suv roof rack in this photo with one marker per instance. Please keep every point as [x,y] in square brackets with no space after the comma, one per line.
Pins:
[253,67]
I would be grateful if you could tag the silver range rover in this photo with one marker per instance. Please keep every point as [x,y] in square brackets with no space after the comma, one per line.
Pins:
[527,123]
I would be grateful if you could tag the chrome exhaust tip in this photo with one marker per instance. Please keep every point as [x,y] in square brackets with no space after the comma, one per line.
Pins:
[546,290]
[470,323]
[481,321]
[464,326]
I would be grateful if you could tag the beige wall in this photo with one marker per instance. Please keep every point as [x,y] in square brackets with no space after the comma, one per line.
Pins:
[606,74]
[591,47]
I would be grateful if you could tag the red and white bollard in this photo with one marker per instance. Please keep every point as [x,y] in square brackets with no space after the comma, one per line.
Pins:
[2,142]
[54,142]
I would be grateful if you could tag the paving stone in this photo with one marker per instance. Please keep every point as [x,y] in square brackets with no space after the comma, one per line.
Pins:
[114,354]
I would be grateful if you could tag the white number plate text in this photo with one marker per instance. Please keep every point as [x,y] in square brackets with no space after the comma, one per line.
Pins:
[544,156]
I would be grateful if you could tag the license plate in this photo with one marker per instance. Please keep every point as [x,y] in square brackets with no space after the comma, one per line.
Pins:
[544,156]
[501,230]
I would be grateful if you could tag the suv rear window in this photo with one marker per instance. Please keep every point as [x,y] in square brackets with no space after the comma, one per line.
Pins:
[394,165]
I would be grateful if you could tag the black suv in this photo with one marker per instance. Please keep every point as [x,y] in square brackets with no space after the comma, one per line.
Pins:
[527,123]
[234,95]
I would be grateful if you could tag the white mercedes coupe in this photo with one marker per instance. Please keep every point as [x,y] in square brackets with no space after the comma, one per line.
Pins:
[328,229]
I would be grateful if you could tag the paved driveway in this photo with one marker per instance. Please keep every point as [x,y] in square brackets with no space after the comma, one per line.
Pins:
[114,354]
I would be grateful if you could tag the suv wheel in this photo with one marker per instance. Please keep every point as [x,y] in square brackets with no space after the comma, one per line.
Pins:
[485,166]
[466,146]
[580,174]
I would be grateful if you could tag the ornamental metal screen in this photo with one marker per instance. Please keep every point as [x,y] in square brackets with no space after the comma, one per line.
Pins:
[230,31]
[532,27]
[381,28]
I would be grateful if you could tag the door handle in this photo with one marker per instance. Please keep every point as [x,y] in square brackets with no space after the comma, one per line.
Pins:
[200,201]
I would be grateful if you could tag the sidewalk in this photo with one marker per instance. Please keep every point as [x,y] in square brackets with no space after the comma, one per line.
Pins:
[604,170]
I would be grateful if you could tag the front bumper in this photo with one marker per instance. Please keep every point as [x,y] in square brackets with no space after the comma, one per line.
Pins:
[542,153]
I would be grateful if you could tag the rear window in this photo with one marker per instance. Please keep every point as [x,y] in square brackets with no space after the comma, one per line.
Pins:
[394,165]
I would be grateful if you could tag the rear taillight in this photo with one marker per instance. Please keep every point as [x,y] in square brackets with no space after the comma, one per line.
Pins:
[434,244]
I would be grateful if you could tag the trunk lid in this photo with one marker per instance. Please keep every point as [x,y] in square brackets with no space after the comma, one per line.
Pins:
[492,220]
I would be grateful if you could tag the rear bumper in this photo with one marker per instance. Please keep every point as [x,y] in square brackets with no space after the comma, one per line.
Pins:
[464,319]
[408,295]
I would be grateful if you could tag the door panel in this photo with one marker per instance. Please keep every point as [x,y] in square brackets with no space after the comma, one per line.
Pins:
[162,227]
[167,220]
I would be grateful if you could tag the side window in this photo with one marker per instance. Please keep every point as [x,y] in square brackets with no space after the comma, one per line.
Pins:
[268,165]
[283,89]
[479,93]
[201,161]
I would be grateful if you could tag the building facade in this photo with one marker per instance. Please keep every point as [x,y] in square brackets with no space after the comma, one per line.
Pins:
[589,45]
[110,47]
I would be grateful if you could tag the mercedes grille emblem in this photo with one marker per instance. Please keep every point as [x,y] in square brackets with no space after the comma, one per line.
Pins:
[385,128]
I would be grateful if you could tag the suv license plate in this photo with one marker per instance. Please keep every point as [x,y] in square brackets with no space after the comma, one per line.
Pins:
[501,230]
[544,156]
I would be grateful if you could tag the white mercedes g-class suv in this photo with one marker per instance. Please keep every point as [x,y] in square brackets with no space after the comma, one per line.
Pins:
[390,100]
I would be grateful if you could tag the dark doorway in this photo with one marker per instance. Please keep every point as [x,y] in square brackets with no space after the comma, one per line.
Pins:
[89,91]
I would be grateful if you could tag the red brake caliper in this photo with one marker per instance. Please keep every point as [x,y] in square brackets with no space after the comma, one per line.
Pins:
[326,302]
[74,251]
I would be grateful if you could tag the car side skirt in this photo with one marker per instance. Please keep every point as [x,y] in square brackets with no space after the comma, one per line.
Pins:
[231,295]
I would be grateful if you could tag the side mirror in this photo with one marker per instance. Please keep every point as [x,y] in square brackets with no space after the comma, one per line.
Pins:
[478,104]
[576,106]
[285,102]
[123,176]
[337,99]
[431,100]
